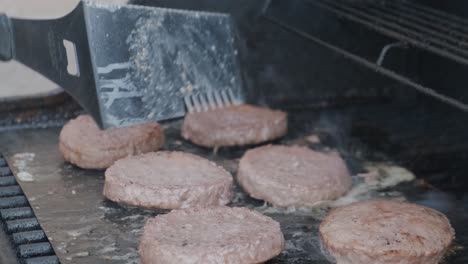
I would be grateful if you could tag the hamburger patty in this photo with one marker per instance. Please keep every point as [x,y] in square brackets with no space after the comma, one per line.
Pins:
[167,180]
[211,236]
[82,143]
[386,232]
[234,126]
[293,176]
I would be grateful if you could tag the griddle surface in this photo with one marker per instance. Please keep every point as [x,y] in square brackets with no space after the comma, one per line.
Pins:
[85,228]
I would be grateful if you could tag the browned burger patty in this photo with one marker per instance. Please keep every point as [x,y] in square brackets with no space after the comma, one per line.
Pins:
[234,126]
[214,235]
[293,176]
[82,143]
[386,232]
[167,180]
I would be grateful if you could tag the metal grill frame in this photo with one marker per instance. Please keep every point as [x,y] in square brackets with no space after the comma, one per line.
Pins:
[19,222]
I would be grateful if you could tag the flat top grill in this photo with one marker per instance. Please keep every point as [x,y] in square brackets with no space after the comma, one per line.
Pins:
[83,227]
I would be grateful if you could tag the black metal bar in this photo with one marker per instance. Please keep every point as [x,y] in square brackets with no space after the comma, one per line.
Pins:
[43,260]
[35,250]
[443,16]
[29,237]
[393,34]
[373,66]
[390,27]
[5,171]
[7,181]
[16,213]
[10,191]
[22,225]
[15,201]
[427,19]
[418,24]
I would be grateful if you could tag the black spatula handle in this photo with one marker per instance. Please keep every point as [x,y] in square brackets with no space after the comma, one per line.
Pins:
[41,45]
[6,38]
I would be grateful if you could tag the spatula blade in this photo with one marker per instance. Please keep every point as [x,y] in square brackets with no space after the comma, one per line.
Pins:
[147,60]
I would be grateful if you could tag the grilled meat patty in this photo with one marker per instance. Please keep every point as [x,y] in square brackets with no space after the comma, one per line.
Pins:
[292,176]
[82,143]
[213,235]
[167,180]
[386,232]
[234,126]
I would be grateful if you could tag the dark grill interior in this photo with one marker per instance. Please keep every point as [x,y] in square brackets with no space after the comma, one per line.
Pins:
[401,31]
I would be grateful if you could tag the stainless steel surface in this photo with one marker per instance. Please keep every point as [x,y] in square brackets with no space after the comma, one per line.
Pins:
[85,228]
[381,17]
[135,64]
[164,55]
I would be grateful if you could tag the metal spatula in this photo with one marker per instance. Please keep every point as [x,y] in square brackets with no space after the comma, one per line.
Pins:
[129,64]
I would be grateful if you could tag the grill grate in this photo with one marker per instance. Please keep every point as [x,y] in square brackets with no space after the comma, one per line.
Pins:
[409,24]
[19,222]
[443,34]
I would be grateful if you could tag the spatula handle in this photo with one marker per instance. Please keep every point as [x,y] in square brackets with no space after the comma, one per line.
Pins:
[6,38]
